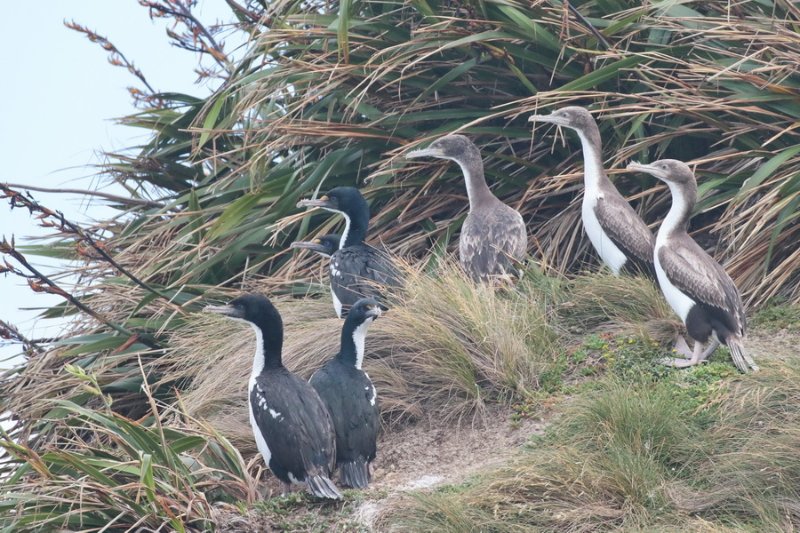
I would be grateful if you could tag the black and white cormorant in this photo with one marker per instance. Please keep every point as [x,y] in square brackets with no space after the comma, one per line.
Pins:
[351,398]
[493,236]
[617,233]
[697,288]
[326,246]
[357,270]
[291,425]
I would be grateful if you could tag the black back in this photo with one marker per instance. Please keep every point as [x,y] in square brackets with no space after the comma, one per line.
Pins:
[352,402]
[351,399]
[295,425]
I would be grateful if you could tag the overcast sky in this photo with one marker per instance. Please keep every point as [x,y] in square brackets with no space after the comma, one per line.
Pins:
[59,99]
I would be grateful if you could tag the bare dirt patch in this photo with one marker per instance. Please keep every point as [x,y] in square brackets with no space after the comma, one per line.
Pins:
[416,456]
[426,455]
[782,344]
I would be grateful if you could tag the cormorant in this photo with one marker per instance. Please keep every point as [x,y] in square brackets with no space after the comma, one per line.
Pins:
[357,270]
[617,233]
[697,288]
[493,237]
[351,397]
[291,425]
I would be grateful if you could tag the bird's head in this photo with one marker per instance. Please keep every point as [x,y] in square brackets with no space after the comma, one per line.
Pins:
[326,246]
[365,310]
[453,147]
[252,308]
[667,170]
[574,117]
[347,200]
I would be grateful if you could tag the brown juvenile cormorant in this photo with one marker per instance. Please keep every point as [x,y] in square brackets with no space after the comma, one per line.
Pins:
[493,237]
[617,233]
[697,288]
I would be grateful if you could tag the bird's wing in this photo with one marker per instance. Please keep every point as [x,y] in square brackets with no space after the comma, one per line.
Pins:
[694,272]
[625,228]
[489,245]
[381,268]
[295,424]
[361,271]
[352,403]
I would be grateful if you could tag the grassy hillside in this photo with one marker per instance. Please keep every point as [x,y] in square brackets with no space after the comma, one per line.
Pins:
[141,398]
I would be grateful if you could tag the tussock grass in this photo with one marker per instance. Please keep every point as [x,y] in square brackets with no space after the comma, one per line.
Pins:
[444,349]
[108,471]
[461,344]
[681,453]
[618,304]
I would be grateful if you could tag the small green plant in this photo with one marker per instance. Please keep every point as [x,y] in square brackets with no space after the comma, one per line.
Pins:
[297,511]
[777,316]
[635,357]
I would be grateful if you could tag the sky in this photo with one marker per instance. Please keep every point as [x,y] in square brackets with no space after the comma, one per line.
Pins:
[59,98]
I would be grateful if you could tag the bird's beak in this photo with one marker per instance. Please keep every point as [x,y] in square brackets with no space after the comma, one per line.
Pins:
[315,246]
[647,169]
[552,119]
[319,202]
[425,152]
[224,310]
[376,310]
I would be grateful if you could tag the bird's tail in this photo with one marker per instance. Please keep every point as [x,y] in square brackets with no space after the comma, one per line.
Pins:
[354,474]
[322,487]
[740,357]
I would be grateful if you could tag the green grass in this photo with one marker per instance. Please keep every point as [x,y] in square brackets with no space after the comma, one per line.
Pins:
[778,316]
[213,207]
[669,452]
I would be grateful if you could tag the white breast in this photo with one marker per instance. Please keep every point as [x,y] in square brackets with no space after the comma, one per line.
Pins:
[679,302]
[607,250]
[337,304]
[261,443]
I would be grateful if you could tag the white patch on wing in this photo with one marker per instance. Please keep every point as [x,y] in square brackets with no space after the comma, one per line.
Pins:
[374,392]
[274,413]
[359,338]
[334,268]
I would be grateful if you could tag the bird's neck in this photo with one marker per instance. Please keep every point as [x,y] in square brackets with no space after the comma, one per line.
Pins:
[683,201]
[355,229]
[594,175]
[477,190]
[353,340]
[268,349]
